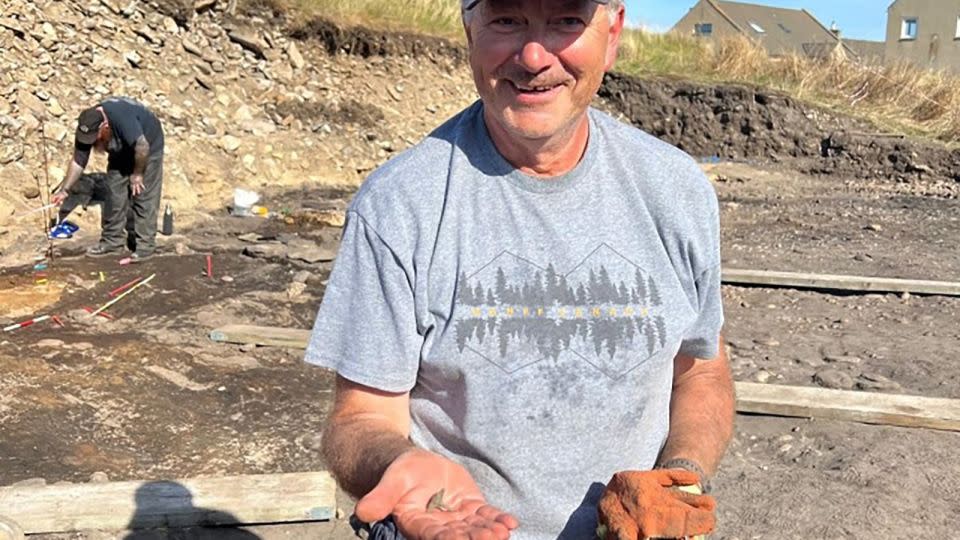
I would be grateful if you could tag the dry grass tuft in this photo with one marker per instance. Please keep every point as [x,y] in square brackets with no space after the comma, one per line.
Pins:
[434,17]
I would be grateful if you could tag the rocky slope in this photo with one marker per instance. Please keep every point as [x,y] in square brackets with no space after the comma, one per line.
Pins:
[242,104]
[254,100]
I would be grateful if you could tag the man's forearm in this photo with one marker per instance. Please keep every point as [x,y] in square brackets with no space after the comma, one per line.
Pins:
[73,174]
[359,449]
[141,153]
[701,414]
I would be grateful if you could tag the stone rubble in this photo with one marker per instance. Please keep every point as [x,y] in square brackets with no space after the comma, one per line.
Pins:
[242,103]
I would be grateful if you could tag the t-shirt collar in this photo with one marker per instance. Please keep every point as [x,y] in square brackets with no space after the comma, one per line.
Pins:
[496,163]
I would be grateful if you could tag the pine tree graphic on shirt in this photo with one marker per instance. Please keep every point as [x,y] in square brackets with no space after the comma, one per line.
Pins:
[606,310]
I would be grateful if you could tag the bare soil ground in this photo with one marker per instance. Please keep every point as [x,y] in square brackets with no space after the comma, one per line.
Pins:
[111,397]
[147,395]
[790,478]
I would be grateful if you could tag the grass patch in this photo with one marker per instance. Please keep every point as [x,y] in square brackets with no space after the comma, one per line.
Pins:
[434,17]
[896,97]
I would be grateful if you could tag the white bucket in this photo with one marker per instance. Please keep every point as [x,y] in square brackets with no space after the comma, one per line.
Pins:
[243,201]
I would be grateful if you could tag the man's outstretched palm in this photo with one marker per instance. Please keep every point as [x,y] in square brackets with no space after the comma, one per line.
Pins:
[415,479]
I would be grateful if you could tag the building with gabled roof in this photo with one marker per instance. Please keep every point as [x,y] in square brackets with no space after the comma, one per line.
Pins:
[781,31]
[925,33]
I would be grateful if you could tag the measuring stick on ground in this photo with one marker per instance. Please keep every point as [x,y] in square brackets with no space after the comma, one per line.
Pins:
[35,210]
[25,324]
[49,192]
[121,288]
[117,299]
[103,314]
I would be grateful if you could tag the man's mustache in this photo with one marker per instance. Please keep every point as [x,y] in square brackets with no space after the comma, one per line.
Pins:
[522,78]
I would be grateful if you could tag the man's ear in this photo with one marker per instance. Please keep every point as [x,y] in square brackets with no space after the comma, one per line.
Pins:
[466,31]
[613,38]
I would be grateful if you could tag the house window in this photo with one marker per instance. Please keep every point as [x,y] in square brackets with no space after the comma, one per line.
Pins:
[757,28]
[908,29]
[957,35]
[784,28]
[703,29]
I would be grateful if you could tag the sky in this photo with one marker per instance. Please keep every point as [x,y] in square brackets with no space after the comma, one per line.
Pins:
[857,19]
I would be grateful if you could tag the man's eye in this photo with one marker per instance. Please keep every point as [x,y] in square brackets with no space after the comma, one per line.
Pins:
[569,22]
[505,21]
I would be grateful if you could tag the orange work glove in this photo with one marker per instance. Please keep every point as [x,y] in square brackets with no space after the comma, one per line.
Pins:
[648,504]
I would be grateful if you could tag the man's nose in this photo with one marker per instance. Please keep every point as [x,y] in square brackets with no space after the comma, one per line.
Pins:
[534,56]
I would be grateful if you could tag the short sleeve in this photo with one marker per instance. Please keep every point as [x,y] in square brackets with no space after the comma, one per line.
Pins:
[366,328]
[81,154]
[701,340]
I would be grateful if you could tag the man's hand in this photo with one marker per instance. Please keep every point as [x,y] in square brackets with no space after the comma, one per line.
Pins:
[136,185]
[58,198]
[649,504]
[410,489]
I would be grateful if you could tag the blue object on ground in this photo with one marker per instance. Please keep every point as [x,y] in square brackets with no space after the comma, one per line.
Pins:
[64,230]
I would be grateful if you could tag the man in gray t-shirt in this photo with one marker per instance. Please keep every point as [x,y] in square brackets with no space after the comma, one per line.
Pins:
[525,313]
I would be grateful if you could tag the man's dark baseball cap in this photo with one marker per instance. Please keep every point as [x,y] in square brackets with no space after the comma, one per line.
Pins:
[470,4]
[88,125]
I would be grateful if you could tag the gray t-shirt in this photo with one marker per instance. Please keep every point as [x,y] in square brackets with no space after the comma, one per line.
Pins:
[533,321]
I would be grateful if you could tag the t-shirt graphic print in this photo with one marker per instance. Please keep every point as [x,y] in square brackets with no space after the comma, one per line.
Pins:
[606,310]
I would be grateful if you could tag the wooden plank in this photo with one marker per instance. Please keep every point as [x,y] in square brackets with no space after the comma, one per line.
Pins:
[255,499]
[262,335]
[866,407]
[839,283]
[805,402]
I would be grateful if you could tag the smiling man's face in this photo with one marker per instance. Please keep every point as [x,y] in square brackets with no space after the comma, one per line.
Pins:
[538,64]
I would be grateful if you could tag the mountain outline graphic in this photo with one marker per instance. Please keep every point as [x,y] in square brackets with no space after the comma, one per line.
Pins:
[606,311]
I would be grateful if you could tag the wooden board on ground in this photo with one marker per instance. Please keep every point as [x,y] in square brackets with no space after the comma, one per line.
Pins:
[261,335]
[240,500]
[806,402]
[866,407]
[839,283]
